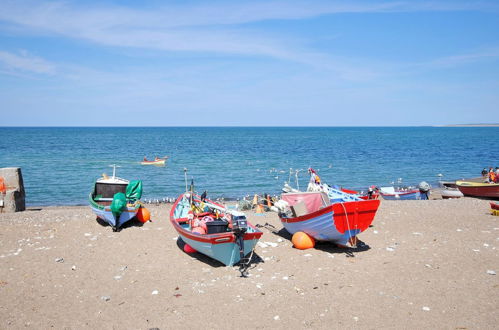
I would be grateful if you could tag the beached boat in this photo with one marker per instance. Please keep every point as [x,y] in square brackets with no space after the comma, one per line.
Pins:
[316,215]
[371,194]
[449,193]
[213,230]
[156,161]
[391,193]
[478,189]
[115,200]
[326,213]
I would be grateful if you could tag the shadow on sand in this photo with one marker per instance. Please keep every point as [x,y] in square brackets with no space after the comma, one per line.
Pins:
[132,223]
[328,247]
[255,258]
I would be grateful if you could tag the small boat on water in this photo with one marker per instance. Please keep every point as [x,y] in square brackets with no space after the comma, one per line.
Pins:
[115,200]
[478,189]
[392,193]
[156,161]
[211,229]
[326,214]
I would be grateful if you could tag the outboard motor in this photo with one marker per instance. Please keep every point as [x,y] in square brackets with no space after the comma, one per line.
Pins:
[240,227]
[424,190]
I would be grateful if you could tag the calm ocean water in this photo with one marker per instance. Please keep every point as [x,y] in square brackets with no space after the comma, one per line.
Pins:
[60,165]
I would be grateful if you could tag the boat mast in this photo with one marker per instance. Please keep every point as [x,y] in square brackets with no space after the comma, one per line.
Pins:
[114,170]
[185,178]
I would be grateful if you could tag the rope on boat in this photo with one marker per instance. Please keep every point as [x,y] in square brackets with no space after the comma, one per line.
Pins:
[348,223]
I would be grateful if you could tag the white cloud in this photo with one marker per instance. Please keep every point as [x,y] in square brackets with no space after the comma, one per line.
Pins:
[26,63]
[193,27]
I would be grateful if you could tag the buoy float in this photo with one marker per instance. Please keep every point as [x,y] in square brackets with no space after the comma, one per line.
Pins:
[143,215]
[302,241]
[189,249]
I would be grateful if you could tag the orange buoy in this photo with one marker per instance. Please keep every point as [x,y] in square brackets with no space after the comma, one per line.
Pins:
[189,249]
[3,189]
[302,241]
[143,215]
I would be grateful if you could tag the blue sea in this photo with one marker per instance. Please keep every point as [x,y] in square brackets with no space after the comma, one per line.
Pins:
[60,165]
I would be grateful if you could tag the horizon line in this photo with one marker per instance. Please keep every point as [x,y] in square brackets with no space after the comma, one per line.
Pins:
[251,126]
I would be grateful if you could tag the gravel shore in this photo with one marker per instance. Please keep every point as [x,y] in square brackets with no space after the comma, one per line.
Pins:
[427,264]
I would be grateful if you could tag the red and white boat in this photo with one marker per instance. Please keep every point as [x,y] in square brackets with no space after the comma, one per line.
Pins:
[314,214]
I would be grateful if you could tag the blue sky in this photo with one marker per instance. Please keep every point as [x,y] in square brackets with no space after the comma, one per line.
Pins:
[248,63]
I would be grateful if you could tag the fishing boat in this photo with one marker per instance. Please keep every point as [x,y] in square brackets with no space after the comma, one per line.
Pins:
[392,193]
[211,229]
[115,200]
[325,213]
[478,189]
[449,193]
[314,214]
[156,161]
[372,193]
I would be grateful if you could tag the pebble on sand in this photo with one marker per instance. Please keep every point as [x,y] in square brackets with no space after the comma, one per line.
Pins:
[491,272]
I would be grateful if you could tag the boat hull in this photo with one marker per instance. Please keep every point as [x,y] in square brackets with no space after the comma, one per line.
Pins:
[337,223]
[154,162]
[220,246]
[402,195]
[451,193]
[478,189]
[104,213]
[227,252]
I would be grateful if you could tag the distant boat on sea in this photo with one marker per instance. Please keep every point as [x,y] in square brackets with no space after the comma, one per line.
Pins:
[156,161]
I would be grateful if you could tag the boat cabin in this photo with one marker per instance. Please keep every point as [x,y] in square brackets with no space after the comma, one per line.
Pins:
[306,202]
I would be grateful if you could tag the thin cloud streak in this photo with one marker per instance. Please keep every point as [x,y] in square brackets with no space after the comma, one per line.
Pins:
[178,28]
[25,62]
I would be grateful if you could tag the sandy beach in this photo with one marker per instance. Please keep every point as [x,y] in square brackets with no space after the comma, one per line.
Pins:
[430,264]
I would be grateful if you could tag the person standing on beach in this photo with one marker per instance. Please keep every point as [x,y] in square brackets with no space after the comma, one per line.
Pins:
[492,175]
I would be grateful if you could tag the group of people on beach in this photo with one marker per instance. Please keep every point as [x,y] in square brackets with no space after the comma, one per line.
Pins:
[492,175]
